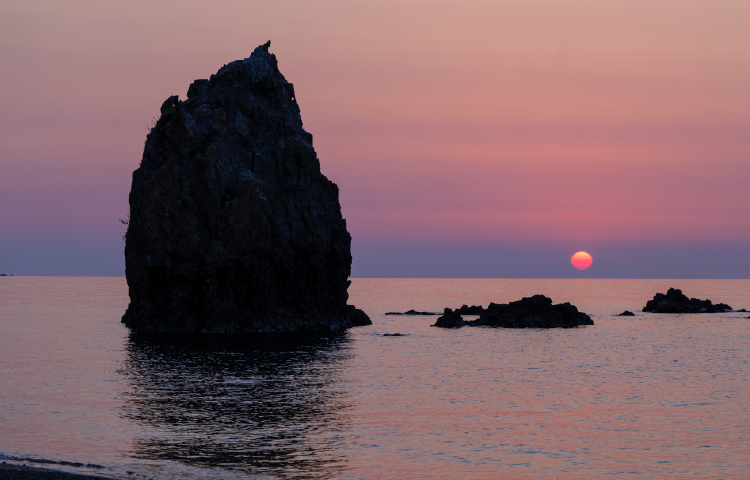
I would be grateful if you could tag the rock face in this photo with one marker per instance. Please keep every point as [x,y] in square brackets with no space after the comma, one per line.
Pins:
[675,302]
[529,312]
[232,226]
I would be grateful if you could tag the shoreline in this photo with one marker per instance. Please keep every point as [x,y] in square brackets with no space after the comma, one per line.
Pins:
[12,471]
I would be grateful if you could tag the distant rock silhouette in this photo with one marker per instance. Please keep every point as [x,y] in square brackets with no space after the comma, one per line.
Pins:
[627,313]
[232,227]
[411,312]
[675,302]
[530,312]
[464,310]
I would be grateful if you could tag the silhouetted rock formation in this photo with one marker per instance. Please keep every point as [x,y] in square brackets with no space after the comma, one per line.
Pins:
[450,319]
[464,310]
[411,312]
[232,226]
[533,312]
[472,310]
[627,313]
[529,312]
[675,302]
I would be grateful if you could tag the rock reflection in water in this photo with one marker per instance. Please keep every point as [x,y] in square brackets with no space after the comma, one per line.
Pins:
[270,405]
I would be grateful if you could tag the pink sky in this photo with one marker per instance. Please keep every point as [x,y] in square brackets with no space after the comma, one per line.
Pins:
[580,122]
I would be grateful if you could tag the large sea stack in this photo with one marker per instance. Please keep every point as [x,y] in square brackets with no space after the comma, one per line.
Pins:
[232,226]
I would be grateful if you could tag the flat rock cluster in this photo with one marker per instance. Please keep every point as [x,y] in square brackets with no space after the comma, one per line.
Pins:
[232,226]
[464,310]
[412,313]
[529,312]
[676,302]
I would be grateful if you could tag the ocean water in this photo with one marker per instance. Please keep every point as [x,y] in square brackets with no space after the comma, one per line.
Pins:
[650,396]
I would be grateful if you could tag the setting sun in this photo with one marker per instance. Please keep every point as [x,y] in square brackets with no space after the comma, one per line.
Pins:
[581,260]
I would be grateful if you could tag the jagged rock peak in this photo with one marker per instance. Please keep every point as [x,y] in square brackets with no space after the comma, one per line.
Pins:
[233,228]
[261,48]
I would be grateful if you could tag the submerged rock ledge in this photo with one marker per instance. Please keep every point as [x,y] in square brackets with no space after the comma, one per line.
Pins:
[529,312]
[412,313]
[232,226]
[464,310]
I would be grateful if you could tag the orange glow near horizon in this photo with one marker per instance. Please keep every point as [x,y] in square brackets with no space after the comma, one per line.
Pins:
[581,260]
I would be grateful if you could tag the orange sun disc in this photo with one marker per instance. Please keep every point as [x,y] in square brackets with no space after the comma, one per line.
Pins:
[581,260]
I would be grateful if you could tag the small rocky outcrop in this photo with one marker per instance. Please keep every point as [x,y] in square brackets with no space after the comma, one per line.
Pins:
[626,313]
[232,226]
[533,312]
[450,319]
[529,312]
[412,312]
[676,302]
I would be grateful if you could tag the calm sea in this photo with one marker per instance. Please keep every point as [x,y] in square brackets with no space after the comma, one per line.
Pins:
[650,396]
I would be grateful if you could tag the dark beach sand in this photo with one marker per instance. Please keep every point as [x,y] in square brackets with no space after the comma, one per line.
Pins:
[23,472]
